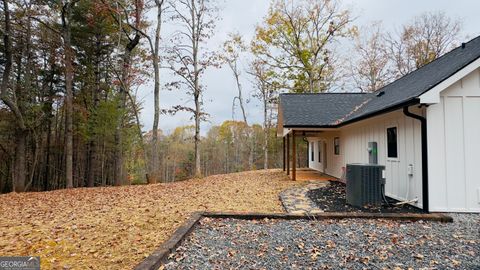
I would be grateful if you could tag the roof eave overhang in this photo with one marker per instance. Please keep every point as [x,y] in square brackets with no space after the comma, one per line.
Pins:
[432,96]
[308,127]
[410,102]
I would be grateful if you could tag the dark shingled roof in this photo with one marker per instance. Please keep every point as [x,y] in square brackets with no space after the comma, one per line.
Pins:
[318,109]
[331,110]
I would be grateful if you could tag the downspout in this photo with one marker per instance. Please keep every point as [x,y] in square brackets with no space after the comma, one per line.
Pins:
[423,122]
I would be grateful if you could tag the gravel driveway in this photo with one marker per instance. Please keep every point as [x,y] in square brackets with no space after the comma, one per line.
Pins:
[330,244]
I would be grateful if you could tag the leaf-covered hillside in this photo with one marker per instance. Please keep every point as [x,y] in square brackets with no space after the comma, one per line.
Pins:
[115,228]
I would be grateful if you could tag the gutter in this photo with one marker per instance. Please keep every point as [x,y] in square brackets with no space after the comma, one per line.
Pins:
[423,122]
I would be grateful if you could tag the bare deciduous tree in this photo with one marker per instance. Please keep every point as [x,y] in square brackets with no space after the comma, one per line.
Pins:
[154,162]
[232,48]
[426,38]
[266,90]
[370,67]
[189,60]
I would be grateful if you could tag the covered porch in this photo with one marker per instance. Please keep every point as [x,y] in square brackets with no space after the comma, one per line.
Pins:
[314,169]
[315,119]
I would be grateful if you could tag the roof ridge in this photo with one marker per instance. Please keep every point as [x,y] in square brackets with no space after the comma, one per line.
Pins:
[354,110]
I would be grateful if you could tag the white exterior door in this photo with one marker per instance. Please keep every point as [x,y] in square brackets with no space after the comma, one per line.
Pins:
[317,154]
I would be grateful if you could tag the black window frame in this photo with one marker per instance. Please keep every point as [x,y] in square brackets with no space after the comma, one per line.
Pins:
[392,142]
[336,146]
[319,151]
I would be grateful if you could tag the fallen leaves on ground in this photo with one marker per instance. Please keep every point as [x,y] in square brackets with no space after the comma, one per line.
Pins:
[117,227]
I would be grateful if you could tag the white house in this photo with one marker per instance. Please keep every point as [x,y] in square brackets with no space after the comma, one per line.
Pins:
[426,126]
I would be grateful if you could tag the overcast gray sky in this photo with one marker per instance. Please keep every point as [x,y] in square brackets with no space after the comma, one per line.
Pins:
[242,16]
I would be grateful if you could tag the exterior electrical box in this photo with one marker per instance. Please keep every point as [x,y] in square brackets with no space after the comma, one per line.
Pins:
[365,184]
[410,170]
[372,153]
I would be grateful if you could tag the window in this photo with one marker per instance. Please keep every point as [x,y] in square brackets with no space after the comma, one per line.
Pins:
[392,142]
[312,153]
[319,151]
[336,145]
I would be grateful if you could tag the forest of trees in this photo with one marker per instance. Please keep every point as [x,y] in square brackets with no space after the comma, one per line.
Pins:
[70,70]
[225,149]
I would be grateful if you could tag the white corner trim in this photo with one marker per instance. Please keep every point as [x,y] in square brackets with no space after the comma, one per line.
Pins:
[433,95]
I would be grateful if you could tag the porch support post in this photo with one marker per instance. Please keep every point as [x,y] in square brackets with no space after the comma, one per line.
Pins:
[294,157]
[288,154]
[283,149]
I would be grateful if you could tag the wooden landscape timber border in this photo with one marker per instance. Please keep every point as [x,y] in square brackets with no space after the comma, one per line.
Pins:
[331,215]
[155,260]
[160,255]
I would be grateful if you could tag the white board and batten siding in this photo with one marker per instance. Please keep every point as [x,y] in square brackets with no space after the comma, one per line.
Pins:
[453,127]
[399,184]
[454,147]
[354,140]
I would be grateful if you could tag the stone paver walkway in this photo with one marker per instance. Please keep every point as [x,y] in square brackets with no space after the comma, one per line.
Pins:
[296,201]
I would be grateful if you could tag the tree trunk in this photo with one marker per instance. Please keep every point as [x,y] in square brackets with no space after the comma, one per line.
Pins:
[139,132]
[244,115]
[118,176]
[66,33]
[198,172]
[310,82]
[240,96]
[156,92]
[34,165]
[197,91]
[265,132]
[51,94]
[58,156]
[92,163]
[93,146]
[20,162]
[47,149]
[102,166]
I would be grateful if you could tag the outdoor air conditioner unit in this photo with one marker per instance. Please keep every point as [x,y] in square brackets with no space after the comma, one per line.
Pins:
[365,184]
